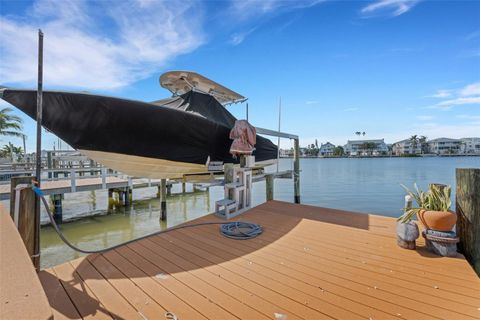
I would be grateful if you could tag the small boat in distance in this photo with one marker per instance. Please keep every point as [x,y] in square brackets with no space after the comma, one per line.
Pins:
[161,139]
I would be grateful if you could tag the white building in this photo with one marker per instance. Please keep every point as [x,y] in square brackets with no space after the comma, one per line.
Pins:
[327,149]
[444,146]
[373,147]
[470,145]
[406,147]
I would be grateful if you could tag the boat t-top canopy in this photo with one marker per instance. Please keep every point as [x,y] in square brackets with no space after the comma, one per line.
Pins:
[180,82]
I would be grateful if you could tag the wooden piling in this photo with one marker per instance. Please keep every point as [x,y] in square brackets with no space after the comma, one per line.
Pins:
[25,218]
[296,171]
[184,187]
[49,164]
[58,209]
[468,212]
[13,184]
[163,200]
[228,171]
[269,184]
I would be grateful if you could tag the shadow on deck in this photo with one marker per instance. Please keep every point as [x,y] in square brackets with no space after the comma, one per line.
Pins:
[310,263]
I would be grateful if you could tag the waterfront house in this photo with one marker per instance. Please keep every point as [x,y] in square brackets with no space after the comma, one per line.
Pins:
[470,145]
[444,146]
[374,147]
[327,149]
[286,153]
[406,147]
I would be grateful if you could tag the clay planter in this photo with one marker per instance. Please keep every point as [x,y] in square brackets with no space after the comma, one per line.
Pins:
[437,220]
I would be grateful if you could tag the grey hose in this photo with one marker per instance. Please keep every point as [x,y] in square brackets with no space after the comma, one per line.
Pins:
[231,230]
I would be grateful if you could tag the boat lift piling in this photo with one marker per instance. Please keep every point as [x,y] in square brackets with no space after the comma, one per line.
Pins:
[163,200]
[296,159]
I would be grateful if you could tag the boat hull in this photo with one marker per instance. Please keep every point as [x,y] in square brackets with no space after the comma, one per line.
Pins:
[152,140]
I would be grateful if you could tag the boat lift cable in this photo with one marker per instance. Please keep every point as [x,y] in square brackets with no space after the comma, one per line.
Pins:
[237,230]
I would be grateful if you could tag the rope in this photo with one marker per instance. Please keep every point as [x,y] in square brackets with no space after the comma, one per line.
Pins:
[233,230]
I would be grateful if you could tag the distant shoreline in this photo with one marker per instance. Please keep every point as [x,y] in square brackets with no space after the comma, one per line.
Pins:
[387,156]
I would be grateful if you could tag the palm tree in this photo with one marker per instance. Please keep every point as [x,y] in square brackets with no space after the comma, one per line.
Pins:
[414,140]
[9,150]
[423,144]
[358,133]
[10,125]
[363,133]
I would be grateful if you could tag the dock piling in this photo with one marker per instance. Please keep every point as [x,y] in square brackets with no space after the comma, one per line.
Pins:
[468,212]
[22,211]
[296,171]
[58,209]
[163,200]
[269,185]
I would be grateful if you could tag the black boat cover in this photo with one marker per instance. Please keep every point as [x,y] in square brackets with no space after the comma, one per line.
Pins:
[188,128]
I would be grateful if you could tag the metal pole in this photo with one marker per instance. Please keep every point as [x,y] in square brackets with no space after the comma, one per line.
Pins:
[279,118]
[247,111]
[38,171]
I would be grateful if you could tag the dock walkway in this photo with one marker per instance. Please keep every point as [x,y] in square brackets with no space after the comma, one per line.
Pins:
[310,263]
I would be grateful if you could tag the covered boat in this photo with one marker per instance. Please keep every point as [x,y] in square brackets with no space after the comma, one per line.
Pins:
[161,139]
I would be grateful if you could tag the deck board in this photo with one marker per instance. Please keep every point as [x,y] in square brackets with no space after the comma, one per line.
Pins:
[310,263]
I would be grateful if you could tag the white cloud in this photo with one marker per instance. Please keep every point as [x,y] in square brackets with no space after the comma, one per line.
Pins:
[471,90]
[424,117]
[243,12]
[143,36]
[351,109]
[448,104]
[392,8]
[441,94]
[245,9]
[468,95]
[238,38]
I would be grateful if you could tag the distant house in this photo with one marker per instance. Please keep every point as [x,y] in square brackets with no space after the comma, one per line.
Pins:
[406,147]
[286,153]
[470,145]
[444,146]
[327,149]
[373,147]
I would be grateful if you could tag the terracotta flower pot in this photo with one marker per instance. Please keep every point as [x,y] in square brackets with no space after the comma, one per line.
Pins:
[437,220]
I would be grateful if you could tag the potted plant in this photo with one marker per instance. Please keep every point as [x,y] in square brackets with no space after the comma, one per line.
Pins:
[433,208]
[407,230]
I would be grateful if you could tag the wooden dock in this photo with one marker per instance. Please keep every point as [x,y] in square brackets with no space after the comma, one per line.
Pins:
[310,263]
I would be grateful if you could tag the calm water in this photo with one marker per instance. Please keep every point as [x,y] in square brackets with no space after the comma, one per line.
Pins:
[362,185]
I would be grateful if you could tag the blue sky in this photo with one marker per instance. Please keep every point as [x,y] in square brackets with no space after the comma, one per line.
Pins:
[391,68]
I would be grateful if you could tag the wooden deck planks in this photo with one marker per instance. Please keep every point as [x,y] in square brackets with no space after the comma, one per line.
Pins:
[20,288]
[310,263]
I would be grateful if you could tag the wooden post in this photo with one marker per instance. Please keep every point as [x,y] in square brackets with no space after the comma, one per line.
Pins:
[73,185]
[104,178]
[296,171]
[269,183]
[14,181]
[58,210]
[439,186]
[26,218]
[169,189]
[110,199]
[92,164]
[468,212]
[49,164]
[228,171]
[163,200]
[184,187]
